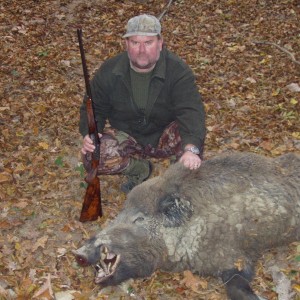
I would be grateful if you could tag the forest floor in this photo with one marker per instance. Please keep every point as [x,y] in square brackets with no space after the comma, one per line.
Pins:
[245,55]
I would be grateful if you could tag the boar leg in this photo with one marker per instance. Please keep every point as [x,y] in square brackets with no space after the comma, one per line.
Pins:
[237,284]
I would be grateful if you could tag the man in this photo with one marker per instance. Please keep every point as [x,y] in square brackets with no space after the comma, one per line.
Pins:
[150,99]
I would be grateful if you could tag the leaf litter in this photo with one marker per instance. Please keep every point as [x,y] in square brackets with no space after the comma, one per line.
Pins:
[251,95]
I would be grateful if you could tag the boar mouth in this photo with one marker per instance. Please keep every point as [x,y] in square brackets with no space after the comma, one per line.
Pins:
[107,265]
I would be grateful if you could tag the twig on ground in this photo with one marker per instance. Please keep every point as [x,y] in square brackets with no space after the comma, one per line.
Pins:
[292,56]
[165,11]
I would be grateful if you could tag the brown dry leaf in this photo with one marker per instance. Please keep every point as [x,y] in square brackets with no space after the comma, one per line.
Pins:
[25,287]
[234,145]
[45,292]
[215,296]
[41,242]
[239,264]
[296,287]
[5,177]
[266,145]
[5,133]
[44,145]
[193,282]
[5,224]
[236,48]
[21,204]
[19,168]
[3,293]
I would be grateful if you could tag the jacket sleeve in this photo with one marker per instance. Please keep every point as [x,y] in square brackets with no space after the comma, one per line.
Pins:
[188,108]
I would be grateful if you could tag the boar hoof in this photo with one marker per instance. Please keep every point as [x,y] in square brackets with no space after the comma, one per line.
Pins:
[107,265]
[238,284]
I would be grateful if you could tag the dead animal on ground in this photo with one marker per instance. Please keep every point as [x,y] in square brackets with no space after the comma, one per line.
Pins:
[234,207]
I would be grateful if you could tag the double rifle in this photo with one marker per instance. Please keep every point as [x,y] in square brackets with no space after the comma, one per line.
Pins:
[91,207]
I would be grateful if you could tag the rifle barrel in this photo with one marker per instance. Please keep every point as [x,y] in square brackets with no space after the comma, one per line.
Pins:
[84,67]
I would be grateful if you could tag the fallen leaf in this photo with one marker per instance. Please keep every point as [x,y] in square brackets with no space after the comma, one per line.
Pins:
[45,292]
[5,177]
[293,101]
[293,87]
[251,80]
[65,295]
[4,224]
[21,204]
[276,92]
[239,264]
[236,48]
[44,145]
[41,242]
[193,282]
[234,145]
[266,145]
[296,287]
[61,252]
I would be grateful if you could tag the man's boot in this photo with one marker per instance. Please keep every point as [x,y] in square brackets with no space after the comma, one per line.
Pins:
[137,171]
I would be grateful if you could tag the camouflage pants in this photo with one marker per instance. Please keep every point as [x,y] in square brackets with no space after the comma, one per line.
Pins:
[117,147]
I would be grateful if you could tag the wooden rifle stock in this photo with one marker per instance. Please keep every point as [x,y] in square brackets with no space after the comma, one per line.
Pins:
[91,207]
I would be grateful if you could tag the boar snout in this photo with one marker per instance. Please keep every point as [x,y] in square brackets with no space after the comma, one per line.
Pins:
[81,259]
[105,265]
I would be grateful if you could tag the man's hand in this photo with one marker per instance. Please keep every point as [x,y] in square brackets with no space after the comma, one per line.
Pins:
[190,160]
[88,145]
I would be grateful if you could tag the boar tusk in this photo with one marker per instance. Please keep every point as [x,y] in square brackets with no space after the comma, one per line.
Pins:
[107,265]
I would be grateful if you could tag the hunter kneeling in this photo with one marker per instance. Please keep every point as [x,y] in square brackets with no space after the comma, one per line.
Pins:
[151,101]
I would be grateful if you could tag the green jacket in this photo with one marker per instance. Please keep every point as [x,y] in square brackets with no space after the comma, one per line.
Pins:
[173,95]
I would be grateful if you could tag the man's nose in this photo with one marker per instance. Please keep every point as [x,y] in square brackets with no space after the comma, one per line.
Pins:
[142,47]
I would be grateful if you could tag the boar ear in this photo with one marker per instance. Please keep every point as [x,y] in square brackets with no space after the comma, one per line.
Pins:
[175,210]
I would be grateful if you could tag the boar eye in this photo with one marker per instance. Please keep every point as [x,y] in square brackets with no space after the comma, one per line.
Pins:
[138,220]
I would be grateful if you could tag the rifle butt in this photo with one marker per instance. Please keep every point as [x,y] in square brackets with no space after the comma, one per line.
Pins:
[89,178]
[91,207]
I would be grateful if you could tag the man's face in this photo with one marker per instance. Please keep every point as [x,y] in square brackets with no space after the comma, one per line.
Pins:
[143,51]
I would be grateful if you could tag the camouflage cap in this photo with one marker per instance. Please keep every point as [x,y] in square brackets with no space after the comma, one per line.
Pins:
[143,25]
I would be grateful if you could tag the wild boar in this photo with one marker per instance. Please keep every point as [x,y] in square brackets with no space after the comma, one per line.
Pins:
[231,209]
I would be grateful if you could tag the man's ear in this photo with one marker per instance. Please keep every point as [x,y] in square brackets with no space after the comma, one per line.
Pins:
[175,210]
[125,43]
[161,44]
